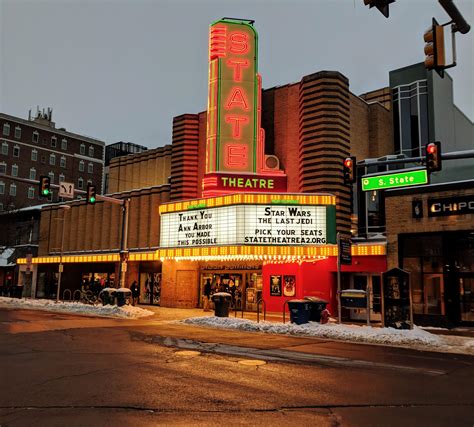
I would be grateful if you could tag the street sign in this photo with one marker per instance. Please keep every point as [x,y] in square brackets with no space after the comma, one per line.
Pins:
[66,190]
[345,251]
[394,180]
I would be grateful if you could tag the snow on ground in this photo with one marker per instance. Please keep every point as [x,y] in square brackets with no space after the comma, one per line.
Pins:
[415,338]
[126,312]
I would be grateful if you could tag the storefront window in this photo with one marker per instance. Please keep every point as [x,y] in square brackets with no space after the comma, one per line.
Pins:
[150,288]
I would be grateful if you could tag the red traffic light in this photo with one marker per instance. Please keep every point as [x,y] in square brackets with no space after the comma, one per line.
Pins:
[348,170]
[433,157]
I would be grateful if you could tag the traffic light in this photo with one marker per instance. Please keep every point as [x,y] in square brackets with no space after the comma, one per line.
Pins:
[91,197]
[44,186]
[381,5]
[433,156]
[434,48]
[349,170]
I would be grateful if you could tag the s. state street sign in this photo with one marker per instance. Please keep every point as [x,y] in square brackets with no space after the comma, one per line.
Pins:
[394,180]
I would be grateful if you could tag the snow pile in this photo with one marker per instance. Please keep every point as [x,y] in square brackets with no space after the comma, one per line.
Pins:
[125,312]
[353,333]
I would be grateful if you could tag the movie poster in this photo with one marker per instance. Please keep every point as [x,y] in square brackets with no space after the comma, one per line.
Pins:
[275,286]
[289,288]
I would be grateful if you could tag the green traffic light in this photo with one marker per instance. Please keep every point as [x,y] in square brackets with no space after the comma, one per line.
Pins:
[45,192]
[92,199]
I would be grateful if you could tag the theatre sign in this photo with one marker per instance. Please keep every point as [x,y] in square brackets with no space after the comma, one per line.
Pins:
[264,220]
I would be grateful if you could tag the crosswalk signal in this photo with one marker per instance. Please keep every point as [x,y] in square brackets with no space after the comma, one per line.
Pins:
[434,48]
[349,172]
[91,197]
[433,156]
[44,186]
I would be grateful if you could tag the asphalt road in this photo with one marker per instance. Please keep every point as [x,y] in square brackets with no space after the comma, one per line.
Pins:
[61,370]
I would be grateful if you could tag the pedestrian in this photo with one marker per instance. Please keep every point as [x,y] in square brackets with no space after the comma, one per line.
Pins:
[206,295]
[135,292]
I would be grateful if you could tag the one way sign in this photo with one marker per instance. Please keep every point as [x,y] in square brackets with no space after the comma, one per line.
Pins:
[66,190]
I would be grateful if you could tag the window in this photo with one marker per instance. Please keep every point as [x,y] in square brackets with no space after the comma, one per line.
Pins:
[52,159]
[64,144]
[1,207]
[31,192]
[32,173]
[4,148]
[12,189]
[16,151]
[17,132]
[61,178]
[90,168]
[53,141]
[34,155]
[91,151]
[2,187]
[62,162]
[14,170]
[410,118]
[35,136]
[80,183]
[81,166]
[51,177]
[82,149]
[3,167]
[89,181]
[6,129]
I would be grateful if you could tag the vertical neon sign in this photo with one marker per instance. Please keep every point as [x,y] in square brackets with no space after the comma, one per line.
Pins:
[232,126]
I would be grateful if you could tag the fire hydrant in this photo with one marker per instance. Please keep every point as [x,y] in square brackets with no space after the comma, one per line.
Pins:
[325,316]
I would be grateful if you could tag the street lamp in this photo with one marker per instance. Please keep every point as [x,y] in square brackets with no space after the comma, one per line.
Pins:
[66,208]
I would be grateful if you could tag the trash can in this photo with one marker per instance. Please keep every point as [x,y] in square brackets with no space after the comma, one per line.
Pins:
[107,295]
[17,291]
[123,296]
[316,306]
[353,298]
[221,302]
[299,311]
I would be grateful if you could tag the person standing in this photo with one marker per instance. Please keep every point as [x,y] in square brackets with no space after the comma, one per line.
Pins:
[135,292]
[206,295]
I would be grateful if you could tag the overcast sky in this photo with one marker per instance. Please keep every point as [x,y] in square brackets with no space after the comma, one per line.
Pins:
[120,70]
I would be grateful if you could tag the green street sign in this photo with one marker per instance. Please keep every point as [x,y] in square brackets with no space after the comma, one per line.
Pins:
[394,180]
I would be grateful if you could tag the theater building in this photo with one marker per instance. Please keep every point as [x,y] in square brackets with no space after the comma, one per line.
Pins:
[249,194]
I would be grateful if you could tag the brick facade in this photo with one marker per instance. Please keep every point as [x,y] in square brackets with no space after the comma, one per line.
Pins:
[399,220]
[70,152]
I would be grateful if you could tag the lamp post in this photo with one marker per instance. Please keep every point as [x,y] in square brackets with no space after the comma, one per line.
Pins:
[66,208]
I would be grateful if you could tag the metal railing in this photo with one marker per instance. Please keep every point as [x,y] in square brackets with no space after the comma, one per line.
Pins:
[264,310]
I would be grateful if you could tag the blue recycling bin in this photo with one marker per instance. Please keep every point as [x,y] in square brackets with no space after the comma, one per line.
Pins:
[299,311]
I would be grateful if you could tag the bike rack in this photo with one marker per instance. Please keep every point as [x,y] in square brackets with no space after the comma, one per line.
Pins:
[77,292]
[67,291]
[284,311]
[264,310]
[241,311]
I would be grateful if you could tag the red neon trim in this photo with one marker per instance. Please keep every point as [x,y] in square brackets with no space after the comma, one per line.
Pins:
[237,98]
[236,120]
[239,43]
[238,64]
[236,155]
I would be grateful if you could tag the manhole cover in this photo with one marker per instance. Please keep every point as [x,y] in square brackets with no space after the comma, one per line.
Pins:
[187,353]
[252,362]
